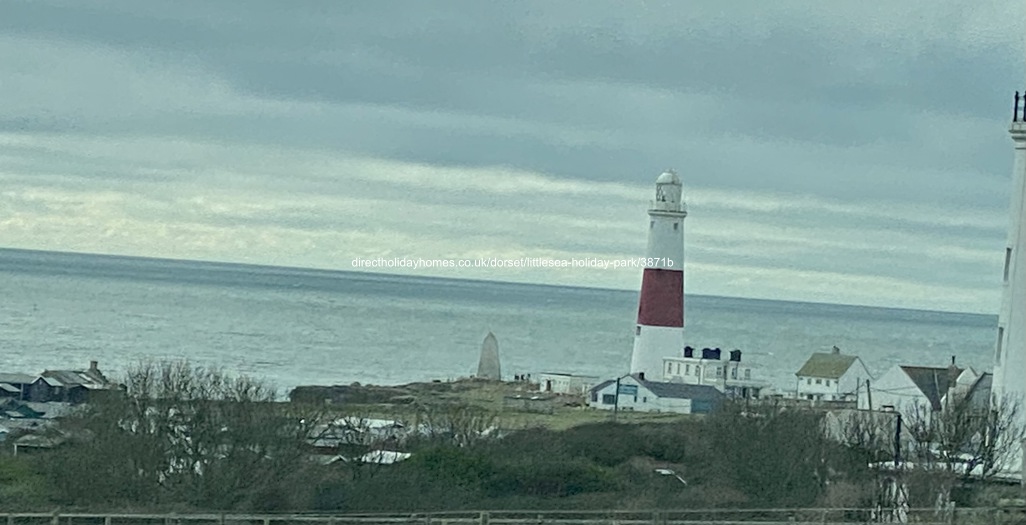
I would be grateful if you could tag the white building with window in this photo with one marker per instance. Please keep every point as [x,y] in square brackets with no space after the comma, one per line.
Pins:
[706,367]
[566,383]
[831,376]
[632,392]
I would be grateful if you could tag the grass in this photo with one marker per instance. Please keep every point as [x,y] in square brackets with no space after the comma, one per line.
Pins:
[489,396]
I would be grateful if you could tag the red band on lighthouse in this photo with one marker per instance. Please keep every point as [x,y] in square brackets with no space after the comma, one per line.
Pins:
[662,298]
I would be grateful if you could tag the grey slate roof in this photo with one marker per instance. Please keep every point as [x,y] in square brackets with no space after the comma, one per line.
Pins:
[17,379]
[932,382]
[826,365]
[683,391]
[602,385]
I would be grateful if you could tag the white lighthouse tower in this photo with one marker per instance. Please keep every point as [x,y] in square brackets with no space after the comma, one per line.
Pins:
[1010,355]
[660,329]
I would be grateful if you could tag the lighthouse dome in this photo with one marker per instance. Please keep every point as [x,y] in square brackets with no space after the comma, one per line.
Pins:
[668,177]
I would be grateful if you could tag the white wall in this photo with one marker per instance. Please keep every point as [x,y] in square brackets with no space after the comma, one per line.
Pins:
[895,389]
[823,387]
[854,379]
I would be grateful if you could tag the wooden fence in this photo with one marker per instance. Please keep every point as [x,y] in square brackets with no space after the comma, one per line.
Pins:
[961,516]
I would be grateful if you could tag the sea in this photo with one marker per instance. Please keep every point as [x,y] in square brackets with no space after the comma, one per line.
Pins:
[292,326]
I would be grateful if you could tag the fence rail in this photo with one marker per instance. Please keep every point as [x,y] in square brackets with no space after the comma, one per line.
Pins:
[849,516]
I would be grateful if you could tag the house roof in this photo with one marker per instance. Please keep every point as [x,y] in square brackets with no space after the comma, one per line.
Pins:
[932,382]
[16,378]
[826,365]
[7,387]
[602,385]
[682,390]
[981,389]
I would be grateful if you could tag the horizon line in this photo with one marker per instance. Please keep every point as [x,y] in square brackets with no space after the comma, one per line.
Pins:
[465,279]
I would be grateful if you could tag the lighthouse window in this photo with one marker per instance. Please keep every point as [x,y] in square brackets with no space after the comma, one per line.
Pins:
[637,330]
[698,370]
[651,224]
[1008,261]
[669,368]
[678,368]
[675,225]
[687,369]
[1001,337]
[748,373]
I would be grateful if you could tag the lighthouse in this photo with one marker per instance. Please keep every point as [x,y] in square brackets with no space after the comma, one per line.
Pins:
[659,331]
[1010,355]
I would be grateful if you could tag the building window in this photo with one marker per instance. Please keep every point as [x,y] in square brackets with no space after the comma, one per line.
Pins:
[594,397]
[827,382]
[675,226]
[748,373]
[1008,261]
[637,330]
[651,224]
[687,369]
[608,399]
[809,381]
[1001,341]
[698,370]
[678,368]
[644,400]
[819,381]
[733,373]
[669,368]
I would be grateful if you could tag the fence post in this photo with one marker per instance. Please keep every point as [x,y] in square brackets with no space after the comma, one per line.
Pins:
[56,519]
[267,521]
[106,520]
[655,518]
[483,519]
[10,519]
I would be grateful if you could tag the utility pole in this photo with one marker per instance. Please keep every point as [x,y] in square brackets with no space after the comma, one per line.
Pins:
[897,441]
[869,396]
[616,399]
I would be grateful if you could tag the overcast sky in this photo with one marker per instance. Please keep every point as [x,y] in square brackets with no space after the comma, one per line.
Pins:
[837,151]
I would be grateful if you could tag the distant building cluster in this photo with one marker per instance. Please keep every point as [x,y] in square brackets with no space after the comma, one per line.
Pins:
[61,386]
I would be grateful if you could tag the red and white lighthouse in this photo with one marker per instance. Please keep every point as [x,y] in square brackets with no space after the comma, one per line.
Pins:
[660,329]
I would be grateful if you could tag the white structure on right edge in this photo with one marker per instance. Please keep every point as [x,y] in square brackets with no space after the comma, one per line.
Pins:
[1010,354]
[659,332]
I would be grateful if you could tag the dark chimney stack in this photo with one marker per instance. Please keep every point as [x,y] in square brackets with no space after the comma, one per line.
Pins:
[641,376]
[94,365]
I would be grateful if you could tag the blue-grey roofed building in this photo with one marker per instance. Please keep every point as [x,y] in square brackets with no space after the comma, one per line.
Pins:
[634,392]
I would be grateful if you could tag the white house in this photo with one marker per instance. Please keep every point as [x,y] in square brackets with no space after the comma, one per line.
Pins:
[903,388]
[831,376]
[632,392]
[566,383]
[707,368]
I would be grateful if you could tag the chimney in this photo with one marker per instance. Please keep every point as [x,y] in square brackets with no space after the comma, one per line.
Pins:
[641,376]
[835,350]
[94,366]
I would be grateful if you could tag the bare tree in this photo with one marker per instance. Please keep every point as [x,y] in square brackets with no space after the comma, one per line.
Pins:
[964,438]
[459,425]
[190,434]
